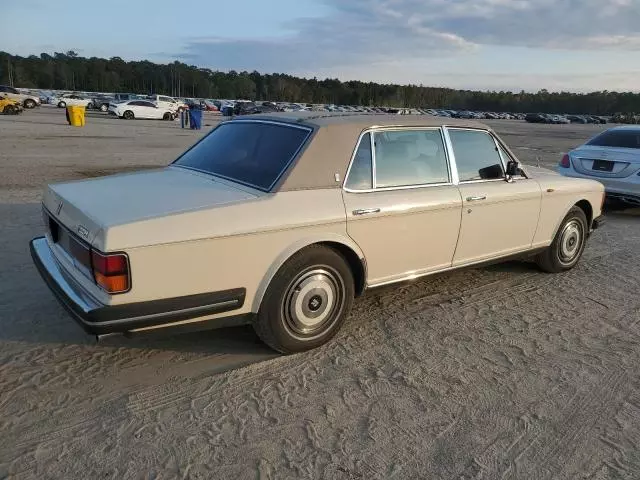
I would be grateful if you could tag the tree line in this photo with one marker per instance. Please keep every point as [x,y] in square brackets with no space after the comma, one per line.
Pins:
[69,71]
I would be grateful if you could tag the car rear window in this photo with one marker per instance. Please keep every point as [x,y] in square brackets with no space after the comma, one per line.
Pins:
[249,152]
[617,138]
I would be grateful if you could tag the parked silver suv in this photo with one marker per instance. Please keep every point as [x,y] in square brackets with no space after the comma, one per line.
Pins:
[28,101]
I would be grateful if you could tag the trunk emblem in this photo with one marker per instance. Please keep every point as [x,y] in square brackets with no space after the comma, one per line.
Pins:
[83,231]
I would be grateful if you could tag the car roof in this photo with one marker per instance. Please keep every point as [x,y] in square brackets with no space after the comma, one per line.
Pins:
[323,162]
[362,120]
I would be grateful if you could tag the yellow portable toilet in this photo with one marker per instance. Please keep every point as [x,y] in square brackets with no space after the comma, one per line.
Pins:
[75,116]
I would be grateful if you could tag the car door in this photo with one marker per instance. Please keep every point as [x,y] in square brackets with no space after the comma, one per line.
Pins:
[154,111]
[498,217]
[402,207]
[146,109]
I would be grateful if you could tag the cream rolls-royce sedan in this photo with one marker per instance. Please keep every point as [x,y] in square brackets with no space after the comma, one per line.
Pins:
[280,220]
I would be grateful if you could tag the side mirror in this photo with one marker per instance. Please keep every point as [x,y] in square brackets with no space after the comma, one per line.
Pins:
[513,170]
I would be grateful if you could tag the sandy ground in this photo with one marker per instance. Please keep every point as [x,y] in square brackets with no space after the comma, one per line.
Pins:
[493,373]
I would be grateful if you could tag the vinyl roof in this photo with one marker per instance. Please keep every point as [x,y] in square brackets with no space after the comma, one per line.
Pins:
[364,120]
[324,160]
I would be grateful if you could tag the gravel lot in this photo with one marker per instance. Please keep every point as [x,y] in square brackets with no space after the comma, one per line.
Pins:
[498,372]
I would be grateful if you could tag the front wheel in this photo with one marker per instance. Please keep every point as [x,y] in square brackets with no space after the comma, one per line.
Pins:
[29,103]
[567,247]
[104,107]
[167,116]
[306,302]
[128,115]
[62,105]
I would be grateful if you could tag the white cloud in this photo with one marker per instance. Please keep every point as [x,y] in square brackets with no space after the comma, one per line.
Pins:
[359,35]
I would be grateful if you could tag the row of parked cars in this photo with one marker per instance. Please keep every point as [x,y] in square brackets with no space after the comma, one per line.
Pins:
[559,119]
[169,107]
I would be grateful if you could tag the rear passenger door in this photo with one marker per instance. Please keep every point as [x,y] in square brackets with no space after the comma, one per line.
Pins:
[402,207]
[498,217]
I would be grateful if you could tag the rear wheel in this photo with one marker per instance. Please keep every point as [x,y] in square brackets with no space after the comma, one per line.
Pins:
[62,104]
[306,302]
[568,244]
[29,103]
[9,110]
[104,107]
[128,115]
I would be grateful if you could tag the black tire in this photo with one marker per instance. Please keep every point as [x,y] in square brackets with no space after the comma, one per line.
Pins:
[29,103]
[292,316]
[128,115]
[167,116]
[62,105]
[9,110]
[567,247]
[104,107]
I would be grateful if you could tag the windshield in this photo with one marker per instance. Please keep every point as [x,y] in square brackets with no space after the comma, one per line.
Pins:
[617,138]
[249,152]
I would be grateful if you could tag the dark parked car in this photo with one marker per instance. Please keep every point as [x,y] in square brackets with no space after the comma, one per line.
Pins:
[537,118]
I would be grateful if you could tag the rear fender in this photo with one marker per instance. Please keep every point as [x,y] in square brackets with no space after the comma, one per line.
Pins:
[293,249]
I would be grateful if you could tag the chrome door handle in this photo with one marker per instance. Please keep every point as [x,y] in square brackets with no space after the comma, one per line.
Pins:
[366,211]
[475,199]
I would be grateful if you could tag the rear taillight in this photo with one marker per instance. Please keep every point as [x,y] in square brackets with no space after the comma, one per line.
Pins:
[110,271]
[565,162]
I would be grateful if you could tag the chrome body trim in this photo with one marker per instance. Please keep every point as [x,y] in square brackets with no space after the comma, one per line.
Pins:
[413,275]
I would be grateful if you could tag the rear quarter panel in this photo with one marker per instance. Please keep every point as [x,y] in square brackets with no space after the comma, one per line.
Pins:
[235,247]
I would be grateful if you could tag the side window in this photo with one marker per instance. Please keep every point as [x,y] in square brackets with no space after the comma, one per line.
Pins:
[136,103]
[361,173]
[410,157]
[477,156]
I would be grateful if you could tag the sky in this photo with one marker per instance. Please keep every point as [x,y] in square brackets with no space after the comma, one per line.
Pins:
[570,45]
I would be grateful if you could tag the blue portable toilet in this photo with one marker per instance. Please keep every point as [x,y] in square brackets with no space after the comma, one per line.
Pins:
[195,119]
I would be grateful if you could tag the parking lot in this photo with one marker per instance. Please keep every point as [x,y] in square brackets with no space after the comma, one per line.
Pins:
[495,372]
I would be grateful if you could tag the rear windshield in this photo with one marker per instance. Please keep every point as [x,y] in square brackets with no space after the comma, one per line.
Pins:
[252,153]
[617,138]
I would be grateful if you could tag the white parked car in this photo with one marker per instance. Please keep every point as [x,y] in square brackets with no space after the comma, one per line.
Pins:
[73,100]
[143,109]
[612,158]
[281,219]
[167,103]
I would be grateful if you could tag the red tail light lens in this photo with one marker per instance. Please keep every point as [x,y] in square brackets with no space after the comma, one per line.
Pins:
[110,271]
[565,162]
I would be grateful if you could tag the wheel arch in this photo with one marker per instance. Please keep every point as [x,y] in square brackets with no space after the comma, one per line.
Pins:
[342,245]
[587,208]
[583,205]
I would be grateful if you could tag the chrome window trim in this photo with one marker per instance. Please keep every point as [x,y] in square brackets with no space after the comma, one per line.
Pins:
[451,155]
[376,129]
[286,167]
[373,160]
[496,143]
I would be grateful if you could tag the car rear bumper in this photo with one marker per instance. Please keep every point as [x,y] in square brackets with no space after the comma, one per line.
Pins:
[99,319]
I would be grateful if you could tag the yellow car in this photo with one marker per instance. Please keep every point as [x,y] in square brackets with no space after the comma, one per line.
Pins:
[10,107]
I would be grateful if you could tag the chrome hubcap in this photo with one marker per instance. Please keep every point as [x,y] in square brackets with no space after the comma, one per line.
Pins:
[570,241]
[313,301]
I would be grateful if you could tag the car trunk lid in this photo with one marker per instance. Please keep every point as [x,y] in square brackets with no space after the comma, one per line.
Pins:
[610,162]
[87,208]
